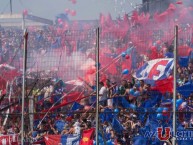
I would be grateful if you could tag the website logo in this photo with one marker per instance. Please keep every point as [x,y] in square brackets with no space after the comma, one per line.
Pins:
[163,136]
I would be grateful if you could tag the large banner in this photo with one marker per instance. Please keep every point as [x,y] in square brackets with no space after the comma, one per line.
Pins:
[9,140]
[157,69]
[62,139]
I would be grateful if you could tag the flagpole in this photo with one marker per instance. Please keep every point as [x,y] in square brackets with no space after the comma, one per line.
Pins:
[97,85]
[174,85]
[24,84]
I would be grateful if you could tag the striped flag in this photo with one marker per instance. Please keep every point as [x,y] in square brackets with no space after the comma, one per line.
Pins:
[69,139]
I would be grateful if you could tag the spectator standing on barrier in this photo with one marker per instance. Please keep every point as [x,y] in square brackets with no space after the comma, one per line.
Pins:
[109,93]
[47,96]
[102,94]
[128,97]
[58,92]
[76,129]
[123,87]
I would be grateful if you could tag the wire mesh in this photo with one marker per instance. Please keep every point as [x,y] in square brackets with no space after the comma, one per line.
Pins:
[61,71]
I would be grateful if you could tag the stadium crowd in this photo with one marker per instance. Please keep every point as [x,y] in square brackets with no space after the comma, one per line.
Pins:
[128,106]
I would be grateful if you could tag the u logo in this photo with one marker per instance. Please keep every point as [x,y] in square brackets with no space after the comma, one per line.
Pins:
[166,135]
[158,69]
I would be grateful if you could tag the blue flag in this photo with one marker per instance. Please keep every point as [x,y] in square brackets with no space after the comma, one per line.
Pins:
[186,89]
[117,125]
[185,142]
[70,139]
[106,115]
[100,139]
[153,125]
[169,55]
[155,97]
[154,70]
[148,104]
[117,101]
[125,103]
[139,140]
[183,61]
[60,125]
[141,113]
[76,106]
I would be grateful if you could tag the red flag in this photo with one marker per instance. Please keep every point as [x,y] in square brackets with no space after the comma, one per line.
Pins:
[171,7]
[135,16]
[112,69]
[184,51]
[87,137]
[52,139]
[179,2]
[72,97]
[69,99]
[9,139]
[126,63]
[164,86]
[154,53]
[2,84]
[8,72]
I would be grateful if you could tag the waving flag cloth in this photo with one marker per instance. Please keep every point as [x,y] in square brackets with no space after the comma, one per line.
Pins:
[183,61]
[9,140]
[60,125]
[75,82]
[76,106]
[87,137]
[62,139]
[139,140]
[2,84]
[186,89]
[117,126]
[106,115]
[8,72]
[154,70]
[164,86]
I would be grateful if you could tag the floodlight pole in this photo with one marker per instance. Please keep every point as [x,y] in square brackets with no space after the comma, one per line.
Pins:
[174,85]
[97,86]
[23,21]
[10,6]
[24,84]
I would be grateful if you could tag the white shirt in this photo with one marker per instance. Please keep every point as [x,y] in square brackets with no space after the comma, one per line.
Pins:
[51,89]
[103,93]
[108,129]
[46,94]
[77,130]
[110,102]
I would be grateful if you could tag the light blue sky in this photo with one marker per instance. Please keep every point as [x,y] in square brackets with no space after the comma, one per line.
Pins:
[86,9]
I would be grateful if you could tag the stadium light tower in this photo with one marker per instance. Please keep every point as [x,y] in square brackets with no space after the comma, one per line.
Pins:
[10,7]
[174,85]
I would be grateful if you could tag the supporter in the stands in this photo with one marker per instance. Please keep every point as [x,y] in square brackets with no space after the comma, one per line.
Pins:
[109,93]
[102,94]
[3,130]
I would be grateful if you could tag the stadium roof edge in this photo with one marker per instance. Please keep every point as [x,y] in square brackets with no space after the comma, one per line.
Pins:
[11,16]
[14,17]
